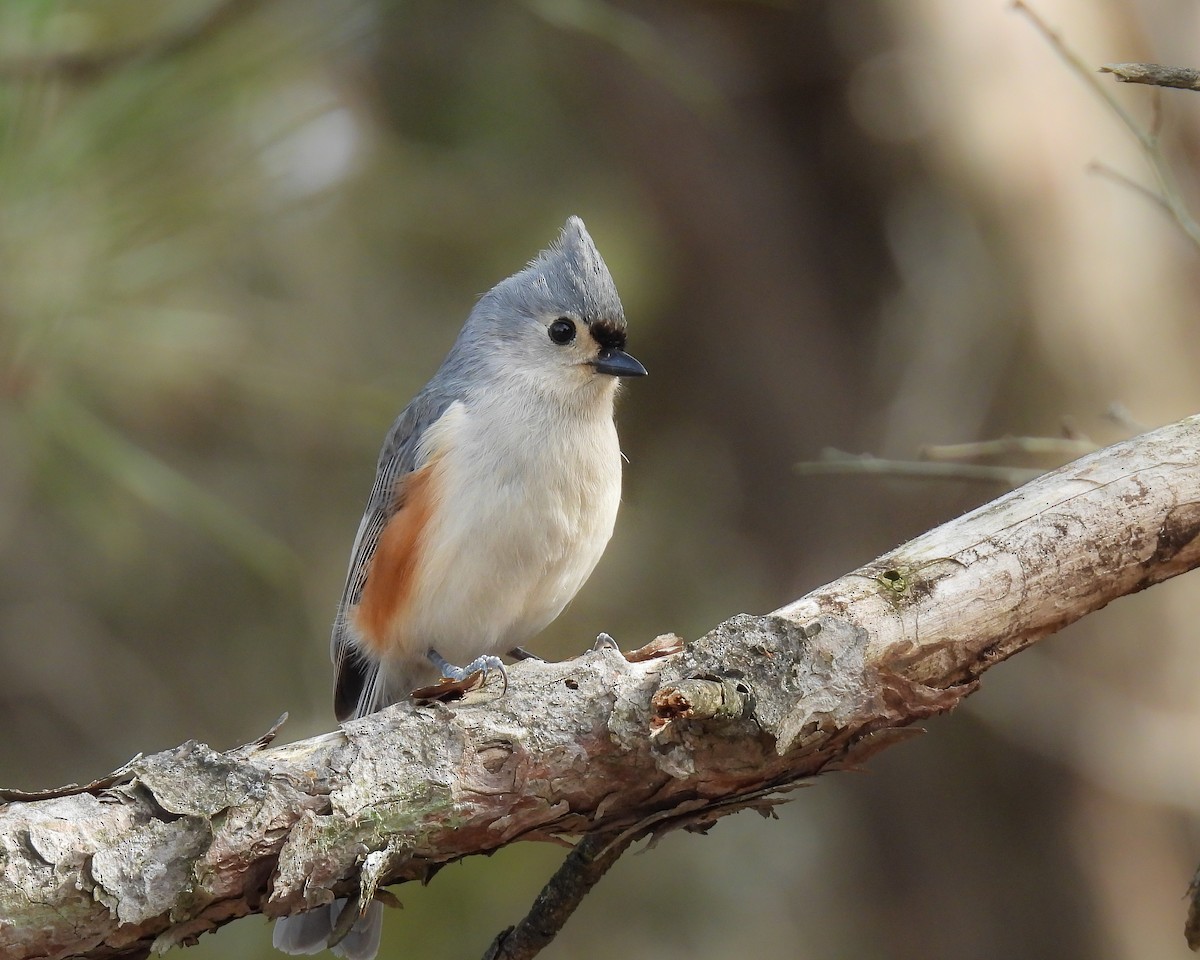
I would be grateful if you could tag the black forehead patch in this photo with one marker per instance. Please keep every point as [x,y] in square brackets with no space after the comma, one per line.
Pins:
[610,335]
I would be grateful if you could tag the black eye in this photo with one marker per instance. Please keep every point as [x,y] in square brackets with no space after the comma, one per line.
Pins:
[562,330]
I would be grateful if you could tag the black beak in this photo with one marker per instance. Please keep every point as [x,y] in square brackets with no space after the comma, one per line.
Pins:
[617,363]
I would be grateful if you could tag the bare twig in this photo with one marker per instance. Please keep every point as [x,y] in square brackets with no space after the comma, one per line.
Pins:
[1180,78]
[592,857]
[1104,170]
[836,462]
[1063,448]
[1169,192]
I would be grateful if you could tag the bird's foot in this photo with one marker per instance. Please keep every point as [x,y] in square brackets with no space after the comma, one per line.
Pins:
[485,664]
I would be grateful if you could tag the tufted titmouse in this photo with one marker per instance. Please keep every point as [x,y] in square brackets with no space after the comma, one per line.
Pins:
[495,495]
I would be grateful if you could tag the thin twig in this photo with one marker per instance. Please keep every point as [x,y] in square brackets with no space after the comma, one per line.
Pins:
[1104,170]
[582,870]
[835,462]
[1065,448]
[1147,139]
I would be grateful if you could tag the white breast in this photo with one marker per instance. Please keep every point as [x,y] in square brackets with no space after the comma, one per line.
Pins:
[529,496]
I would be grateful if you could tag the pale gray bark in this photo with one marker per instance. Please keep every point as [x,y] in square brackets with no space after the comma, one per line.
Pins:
[178,843]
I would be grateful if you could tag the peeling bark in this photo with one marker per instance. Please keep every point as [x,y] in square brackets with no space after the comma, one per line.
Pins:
[179,843]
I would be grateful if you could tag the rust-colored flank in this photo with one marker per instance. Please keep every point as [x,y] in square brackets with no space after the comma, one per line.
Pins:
[394,565]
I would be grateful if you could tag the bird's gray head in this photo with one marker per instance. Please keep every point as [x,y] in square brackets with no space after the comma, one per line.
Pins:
[557,326]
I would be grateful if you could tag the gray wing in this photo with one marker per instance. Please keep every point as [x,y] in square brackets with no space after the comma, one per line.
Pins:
[357,690]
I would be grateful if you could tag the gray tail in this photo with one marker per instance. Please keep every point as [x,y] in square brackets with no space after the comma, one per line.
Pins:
[309,932]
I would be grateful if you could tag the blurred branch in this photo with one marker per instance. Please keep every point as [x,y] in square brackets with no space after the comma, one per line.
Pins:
[952,461]
[1168,192]
[1155,74]
[1104,170]
[160,486]
[838,463]
[87,66]
[1064,448]
[179,843]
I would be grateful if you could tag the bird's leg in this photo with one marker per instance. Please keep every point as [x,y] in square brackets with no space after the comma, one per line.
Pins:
[483,664]
[520,653]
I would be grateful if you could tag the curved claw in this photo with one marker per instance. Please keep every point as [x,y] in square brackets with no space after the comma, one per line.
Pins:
[605,642]
[484,664]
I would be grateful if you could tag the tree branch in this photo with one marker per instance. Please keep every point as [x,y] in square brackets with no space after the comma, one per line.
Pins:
[179,843]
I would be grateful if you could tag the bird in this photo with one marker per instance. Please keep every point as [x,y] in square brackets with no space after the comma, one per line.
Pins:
[495,494]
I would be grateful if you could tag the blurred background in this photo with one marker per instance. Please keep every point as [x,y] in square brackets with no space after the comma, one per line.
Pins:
[236,237]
